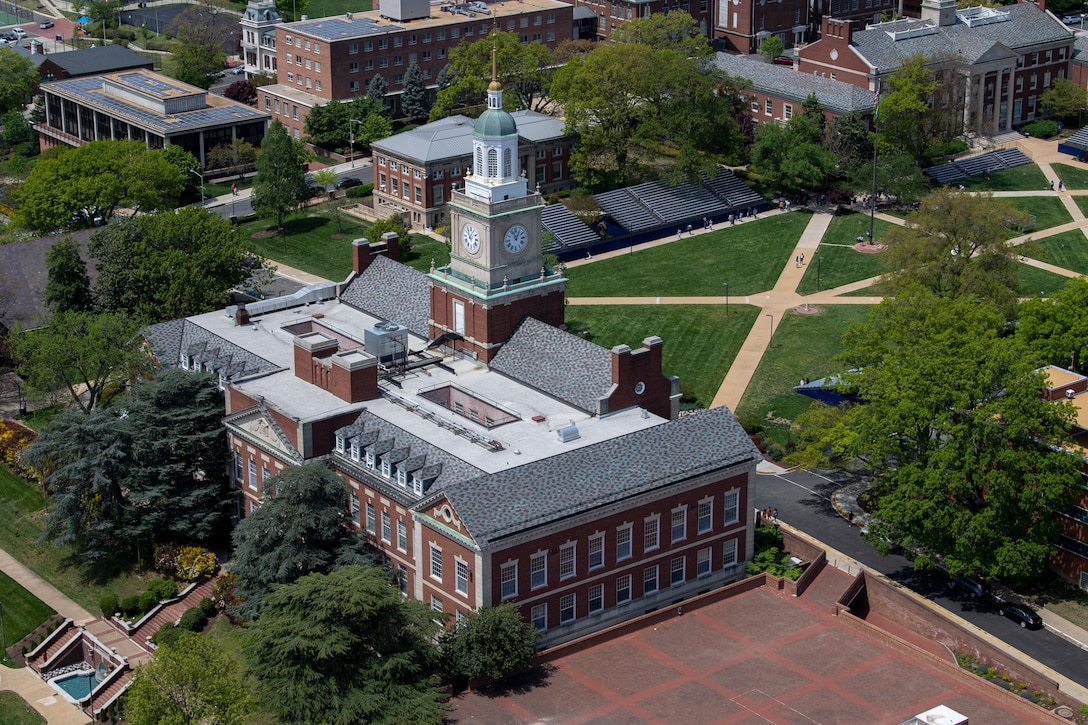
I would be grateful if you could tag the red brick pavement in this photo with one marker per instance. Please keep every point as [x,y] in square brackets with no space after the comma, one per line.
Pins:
[759,657]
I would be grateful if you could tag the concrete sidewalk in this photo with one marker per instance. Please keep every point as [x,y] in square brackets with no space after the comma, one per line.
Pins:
[40,696]
[42,589]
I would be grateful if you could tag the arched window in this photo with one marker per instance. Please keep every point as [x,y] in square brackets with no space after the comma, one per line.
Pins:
[507,163]
[493,164]
[479,160]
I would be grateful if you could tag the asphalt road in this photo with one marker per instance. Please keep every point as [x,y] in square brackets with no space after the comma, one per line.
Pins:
[803,501]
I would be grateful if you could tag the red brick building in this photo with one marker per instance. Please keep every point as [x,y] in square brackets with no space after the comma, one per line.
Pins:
[601,17]
[743,26]
[1071,559]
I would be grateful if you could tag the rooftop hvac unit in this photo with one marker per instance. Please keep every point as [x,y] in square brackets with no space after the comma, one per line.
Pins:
[404,9]
[568,433]
[386,341]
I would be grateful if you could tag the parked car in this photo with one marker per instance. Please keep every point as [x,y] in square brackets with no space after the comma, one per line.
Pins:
[18,32]
[8,36]
[1025,615]
[972,585]
[1071,19]
[238,70]
[782,60]
[45,24]
[347,182]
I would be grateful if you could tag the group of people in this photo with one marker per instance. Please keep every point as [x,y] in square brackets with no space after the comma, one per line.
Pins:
[769,515]
[799,260]
[1061,186]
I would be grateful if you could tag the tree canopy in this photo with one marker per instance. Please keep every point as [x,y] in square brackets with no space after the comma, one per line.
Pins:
[791,157]
[280,180]
[332,125]
[849,139]
[413,98]
[203,36]
[67,287]
[492,642]
[92,181]
[904,106]
[18,77]
[1064,98]
[346,648]
[301,528]
[1056,329]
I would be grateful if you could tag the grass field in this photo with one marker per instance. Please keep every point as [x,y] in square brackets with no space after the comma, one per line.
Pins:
[802,347]
[14,710]
[1068,250]
[749,256]
[1035,282]
[23,612]
[229,638]
[700,341]
[1018,178]
[24,516]
[836,262]
[1073,177]
[1048,211]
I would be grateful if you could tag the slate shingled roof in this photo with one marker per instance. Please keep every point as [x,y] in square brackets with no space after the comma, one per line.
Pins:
[835,96]
[451,137]
[169,339]
[392,291]
[556,363]
[588,478]
[98,59]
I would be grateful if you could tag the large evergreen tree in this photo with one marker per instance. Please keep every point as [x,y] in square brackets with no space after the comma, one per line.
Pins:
[280,180]
[67,287]
[377,88]
[300,529]
[346,648]
[413,98]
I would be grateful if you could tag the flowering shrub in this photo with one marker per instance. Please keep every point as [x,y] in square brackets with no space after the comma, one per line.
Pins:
[223,591]
[166,559]
[195,562]
[13,439]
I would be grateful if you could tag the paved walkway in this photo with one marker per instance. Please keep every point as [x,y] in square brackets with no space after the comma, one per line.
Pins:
[42,589]
[42,697]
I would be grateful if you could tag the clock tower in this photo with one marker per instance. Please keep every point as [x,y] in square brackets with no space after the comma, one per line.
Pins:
[496,275]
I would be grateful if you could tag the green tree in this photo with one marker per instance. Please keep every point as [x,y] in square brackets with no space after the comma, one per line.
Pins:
[377,88]
[346,648]
[20,77]
[969,460]
[525,71]
[236,157]
[493,642]
[292,10]
[812,108]
[1064,98]
[905,107]
[897,177]
[177,477]
[280,180]
[203,36]
[394,223]
[956,246]
[301,529]
[787,157]
[771,48]
[326,178]
[185,163]
[849,139]
[170,265]
[1056,329]
[191,680]
[413,99]
[331,125]
[71,190]
[17,129]
[84,353]
[81,461]
[675,31]
[67,286]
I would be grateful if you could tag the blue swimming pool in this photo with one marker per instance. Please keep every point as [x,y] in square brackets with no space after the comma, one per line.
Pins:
[76,685]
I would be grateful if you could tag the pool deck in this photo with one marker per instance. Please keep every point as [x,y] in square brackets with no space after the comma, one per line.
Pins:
[43,698]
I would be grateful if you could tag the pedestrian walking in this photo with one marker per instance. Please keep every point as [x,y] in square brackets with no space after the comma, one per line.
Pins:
[234,189]
[774,515]
[802,260]
[1052,184]
[705,222]
[1061,185]
[710,224]
[732,221]
[679,234]
[690,233]
[796,261]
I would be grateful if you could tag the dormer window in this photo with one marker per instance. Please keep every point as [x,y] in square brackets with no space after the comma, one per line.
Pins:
[387,469]
[369,459]
[354,451]
[402,478]
[222,381]
[417,485]
[339,444]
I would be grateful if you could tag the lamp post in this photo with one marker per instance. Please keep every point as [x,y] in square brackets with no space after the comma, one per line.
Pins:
[351,138]
[194,171]
[3,636]
[819,268]
[772,327]
[726,298]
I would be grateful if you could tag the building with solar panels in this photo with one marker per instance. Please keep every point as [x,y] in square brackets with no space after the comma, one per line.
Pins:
[144,106]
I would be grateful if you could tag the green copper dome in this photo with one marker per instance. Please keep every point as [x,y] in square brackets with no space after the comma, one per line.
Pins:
[495,124]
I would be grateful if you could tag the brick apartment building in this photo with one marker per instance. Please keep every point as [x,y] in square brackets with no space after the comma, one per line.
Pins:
[743,26]
[994,62]
[1071,560]
[598,18]
[490,455]
[336,57]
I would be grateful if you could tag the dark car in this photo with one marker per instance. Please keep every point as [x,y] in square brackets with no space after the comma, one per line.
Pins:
[972,585]
[782,60]
[45,24]
[347,182]
[1026,616]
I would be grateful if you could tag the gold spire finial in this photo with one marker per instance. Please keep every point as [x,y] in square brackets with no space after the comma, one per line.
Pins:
[495,85]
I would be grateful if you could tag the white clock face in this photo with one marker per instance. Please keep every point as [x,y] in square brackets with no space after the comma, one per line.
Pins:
[471,238]
[516,238]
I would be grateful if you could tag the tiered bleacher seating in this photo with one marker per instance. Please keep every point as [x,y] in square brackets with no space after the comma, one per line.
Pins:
[627,211]
[732,192]
[568,230]
[1004,158]
[675,204]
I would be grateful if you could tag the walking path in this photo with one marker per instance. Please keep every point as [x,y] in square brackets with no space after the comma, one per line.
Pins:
[43,590]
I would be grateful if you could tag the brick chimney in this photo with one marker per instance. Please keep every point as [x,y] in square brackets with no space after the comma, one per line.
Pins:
[351,375]
[363,251]
[838,32]
[309,348]
[241,315]
[637,380]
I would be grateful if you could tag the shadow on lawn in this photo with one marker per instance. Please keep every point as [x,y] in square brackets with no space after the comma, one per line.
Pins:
[101,571]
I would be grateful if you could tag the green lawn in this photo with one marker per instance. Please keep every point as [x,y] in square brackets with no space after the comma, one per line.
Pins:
[23,612]
[230,637]
[1018,178]
[1068,250]
[1048,211]
[1073,177]
[748,256]
[14,710]
[836,262]
[700,342]
[316,243]
[802,347]
[1035,282]
[24,515]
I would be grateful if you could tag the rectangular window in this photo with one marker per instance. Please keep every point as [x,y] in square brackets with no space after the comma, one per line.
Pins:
[398,41]
[508,577]
[370,526]
[398,60]
[702,564]
[732,507]
[368,65]
[755,105]
[596,598]
[436,603]
[623,589]
[650,537]
[252,474]
[402,578]
[787,111]
[729,553]
[676,570]
[436,562]
[596,551]
[354,507]
[649,580]
[679,524]
[706,516]
[368,46]
[383,43]
[566,609]
[769,108]
[538,570]
[387,527]
[623,542]
[402,536]
[539,617]
[353,48]
[566,561]
[239,473]
[462,576]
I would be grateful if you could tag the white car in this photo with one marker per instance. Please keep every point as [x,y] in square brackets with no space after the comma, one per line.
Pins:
[1072,19]
[18,32]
